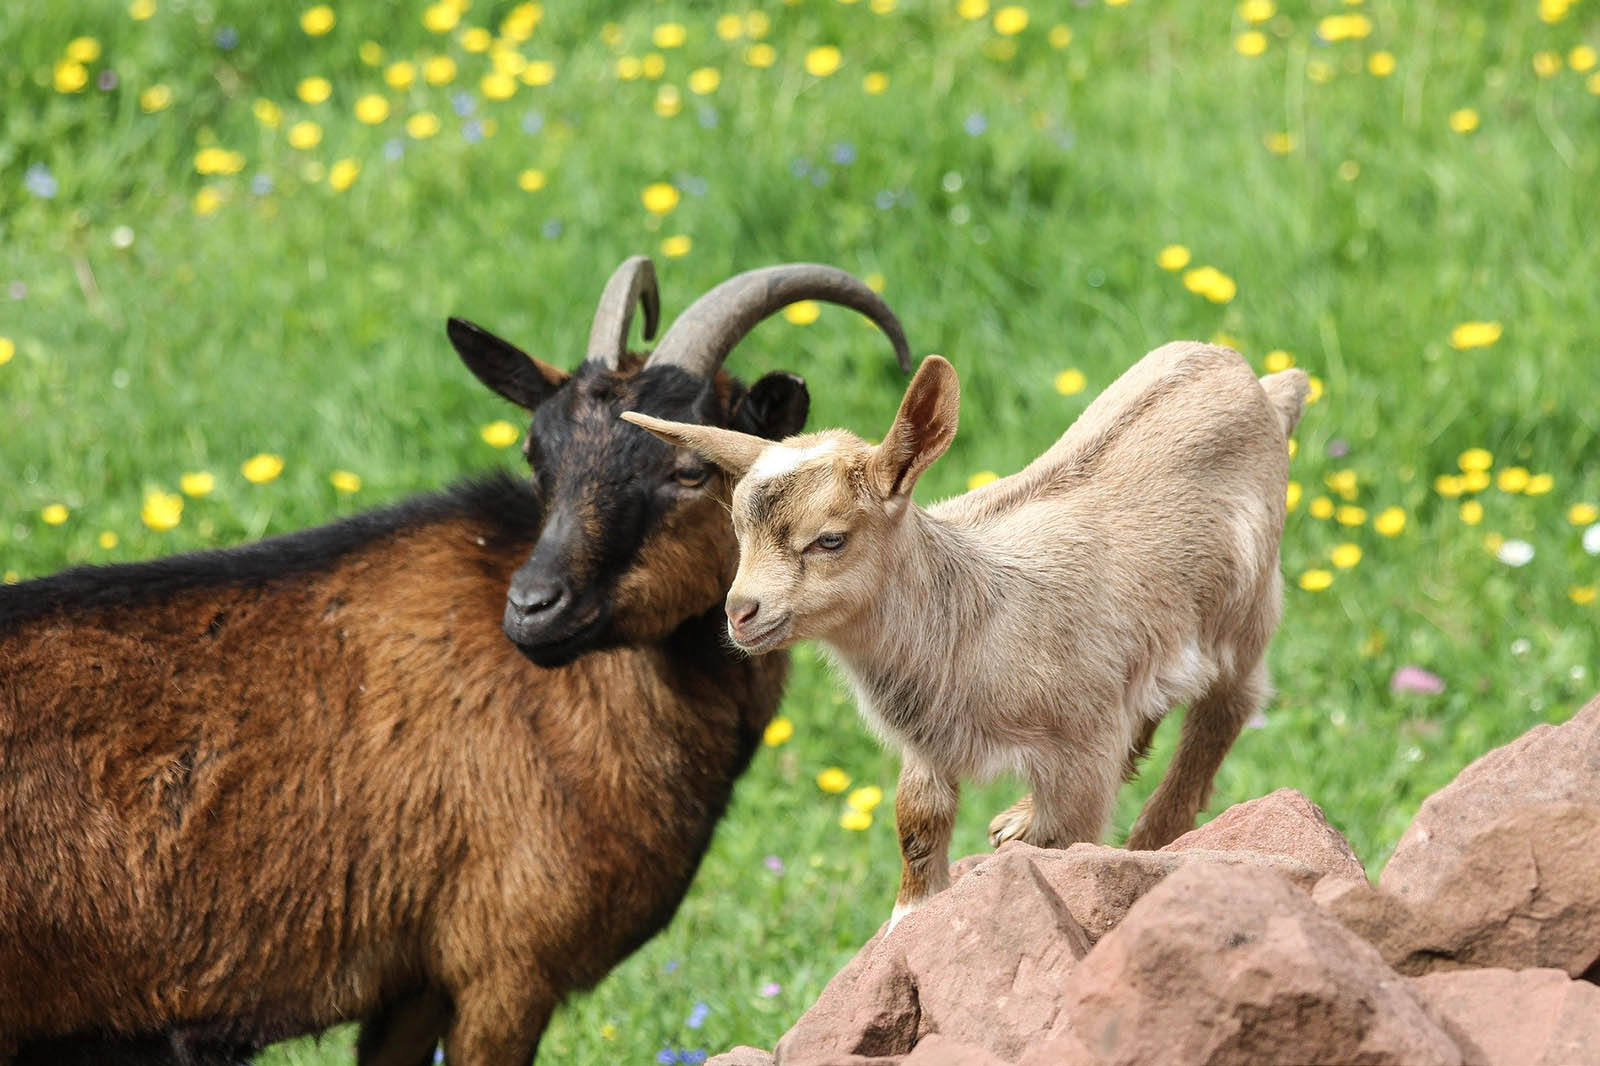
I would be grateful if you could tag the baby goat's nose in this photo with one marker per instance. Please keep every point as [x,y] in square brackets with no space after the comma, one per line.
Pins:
[742,611]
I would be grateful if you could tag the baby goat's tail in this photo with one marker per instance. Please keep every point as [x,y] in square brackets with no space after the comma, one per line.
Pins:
[1286,391]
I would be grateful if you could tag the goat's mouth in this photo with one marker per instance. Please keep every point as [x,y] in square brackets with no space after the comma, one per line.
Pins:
[770,636]
[560,650]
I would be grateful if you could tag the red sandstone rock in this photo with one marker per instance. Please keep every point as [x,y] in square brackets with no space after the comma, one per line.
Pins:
[1525,1017]
[1233,964]
[743,1055]
[1285,823]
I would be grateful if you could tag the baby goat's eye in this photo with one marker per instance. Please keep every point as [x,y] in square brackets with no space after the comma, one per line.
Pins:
[828,542]
[691,477]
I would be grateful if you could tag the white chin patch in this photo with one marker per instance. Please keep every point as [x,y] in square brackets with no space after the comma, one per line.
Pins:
[779,459]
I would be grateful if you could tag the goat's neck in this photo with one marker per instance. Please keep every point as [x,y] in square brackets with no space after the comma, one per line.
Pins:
[939,588]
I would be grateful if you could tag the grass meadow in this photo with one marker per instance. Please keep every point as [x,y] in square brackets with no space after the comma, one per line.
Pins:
[230,234]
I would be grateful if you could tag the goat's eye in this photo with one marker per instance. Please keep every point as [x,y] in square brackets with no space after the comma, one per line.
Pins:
[692,477]
[828,542]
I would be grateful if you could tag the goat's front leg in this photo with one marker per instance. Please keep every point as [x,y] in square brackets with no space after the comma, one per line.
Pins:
[924,814]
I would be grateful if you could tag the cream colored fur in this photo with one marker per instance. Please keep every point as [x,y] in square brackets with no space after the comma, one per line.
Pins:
[1042,624]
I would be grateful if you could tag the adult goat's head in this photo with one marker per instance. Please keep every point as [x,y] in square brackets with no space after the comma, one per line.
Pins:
[636,538]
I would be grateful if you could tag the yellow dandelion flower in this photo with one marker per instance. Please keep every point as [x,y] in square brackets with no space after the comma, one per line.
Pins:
[318,20]
[441,17]
[343,174]
[1211,283]
[802,313]
[156,98]
[1173,257]
[668,101]
[972,10]
[498,86]
[875,83]
[70,76]
[1381,64]
[865,798]
[1582,58]
[531,180]
[197,483]
[1321,507]
[140,10]
[345,481]
[539,72]
[757,24]
[1474,335]
[305,134]
[1513,479]
[83,49]
[8,349]
[1539,485]
[628,68]
[519,24]
[676,246]
[1547,64]
[1349,170]
[660,197]
[1582,595]
[705,80]
[669,35]
[778,731]
[439,70]
[1583,514]
[1280,143]
[400,75]
[1256,12]
[611,34]
[314,90]
[1593,83]
[833,779]
[1070,382]
[1475,459]
[1060,35]
[1011,20]
[508,61]
[653,65]
[1250,43]
[1493,542]
[1448,485]
[1291,497]
[1553,10]
[1316,580]
[54,514]
[1277,360]
[1346,555]
[422,125]
[730,27]
[1343,482]
[371,53]
[1464,120]
[1472,512]
[11,577]
[1350,515]
[823,60]
[1474,481]
[107,539]
[476,39]
[207,200]
[372,109]
[856,821]
[262,468]
[1391,522]
[499,434]
[981,478]
[761,56]
[161,510]
[1344,27]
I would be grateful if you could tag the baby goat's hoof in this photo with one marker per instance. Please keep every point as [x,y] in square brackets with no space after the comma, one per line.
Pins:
[1013,823]
[900,911]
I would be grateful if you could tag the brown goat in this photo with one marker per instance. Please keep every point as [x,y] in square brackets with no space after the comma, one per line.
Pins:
[252,793]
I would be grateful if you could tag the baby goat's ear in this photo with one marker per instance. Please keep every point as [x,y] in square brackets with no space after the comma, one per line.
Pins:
[733,451]
[921,432]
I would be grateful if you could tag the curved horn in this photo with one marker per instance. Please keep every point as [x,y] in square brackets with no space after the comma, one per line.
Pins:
[632,282]
[700,339]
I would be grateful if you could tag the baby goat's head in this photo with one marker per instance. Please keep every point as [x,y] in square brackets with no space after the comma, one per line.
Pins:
[635,540]
[816,515]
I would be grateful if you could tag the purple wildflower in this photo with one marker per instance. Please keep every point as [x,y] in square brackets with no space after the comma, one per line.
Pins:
[1416,679]
[107,80]
[774,864]
[38,180]
[843,153]
[666,1056]
[1338,448]
[532,122]
[463,104]
[697,1016]
[227,38]
[770,989]
[976,124]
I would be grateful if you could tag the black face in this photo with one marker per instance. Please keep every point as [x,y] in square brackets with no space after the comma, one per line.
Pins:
[636,539]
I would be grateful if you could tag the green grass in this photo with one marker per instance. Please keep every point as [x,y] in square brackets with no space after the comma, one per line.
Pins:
[1028,195]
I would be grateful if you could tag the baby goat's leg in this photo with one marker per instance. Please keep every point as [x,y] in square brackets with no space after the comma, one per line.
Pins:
[1209,730]
[1016,821]
[1072,802]
[924,814]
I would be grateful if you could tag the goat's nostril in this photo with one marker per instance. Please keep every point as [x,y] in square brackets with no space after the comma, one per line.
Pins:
[742,612]
[537,599]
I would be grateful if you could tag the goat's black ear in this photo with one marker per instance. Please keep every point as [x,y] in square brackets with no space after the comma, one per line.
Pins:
[501,365]
[775,407]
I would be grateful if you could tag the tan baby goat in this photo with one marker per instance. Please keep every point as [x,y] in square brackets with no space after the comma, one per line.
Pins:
[1045,623]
